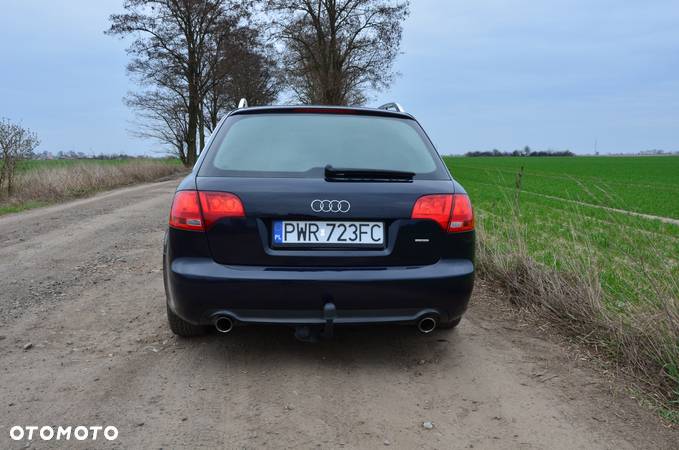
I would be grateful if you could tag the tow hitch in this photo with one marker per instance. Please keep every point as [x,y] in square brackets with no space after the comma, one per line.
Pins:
[329,315]
[306,333]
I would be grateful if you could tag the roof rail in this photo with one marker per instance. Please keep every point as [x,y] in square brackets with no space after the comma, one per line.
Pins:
[243,103]
[394,106]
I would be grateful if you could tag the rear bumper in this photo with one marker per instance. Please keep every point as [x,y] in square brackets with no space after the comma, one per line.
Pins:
[200,289]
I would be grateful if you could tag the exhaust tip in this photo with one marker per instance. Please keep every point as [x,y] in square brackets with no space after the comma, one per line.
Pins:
[224,324]
[427,325]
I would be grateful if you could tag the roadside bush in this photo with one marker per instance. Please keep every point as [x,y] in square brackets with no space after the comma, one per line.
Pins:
[16,143]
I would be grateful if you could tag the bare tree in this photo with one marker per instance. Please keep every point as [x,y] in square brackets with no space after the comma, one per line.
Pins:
[16,143]
[171,50]
[192,56]
[335,50]
[245,67]
[163,117]
[256,76]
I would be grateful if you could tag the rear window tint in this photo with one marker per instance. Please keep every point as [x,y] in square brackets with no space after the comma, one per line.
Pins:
[301,145]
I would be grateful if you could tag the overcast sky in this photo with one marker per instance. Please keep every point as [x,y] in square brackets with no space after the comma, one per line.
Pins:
[478,74]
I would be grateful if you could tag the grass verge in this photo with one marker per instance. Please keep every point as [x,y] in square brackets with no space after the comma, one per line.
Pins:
[43,184]
[571,291]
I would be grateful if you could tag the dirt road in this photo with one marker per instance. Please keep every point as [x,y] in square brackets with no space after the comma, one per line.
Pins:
[82,283]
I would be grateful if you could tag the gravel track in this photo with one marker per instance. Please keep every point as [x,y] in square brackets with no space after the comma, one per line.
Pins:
[82,283]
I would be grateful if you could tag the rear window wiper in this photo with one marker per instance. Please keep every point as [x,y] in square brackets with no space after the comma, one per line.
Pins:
[339,174]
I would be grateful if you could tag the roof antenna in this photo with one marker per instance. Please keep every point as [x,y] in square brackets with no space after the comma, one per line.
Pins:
[243,103]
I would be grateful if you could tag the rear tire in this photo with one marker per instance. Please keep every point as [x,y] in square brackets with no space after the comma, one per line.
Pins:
[449,325]
[180,327]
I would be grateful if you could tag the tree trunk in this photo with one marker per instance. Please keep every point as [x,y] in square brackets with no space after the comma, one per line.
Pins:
[181,152]
[214,110]
[192,129]
[201,129]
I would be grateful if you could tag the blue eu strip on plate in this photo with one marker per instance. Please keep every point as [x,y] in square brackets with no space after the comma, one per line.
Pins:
[278,232]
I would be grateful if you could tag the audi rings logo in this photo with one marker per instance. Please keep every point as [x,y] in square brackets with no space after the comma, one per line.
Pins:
[334,206]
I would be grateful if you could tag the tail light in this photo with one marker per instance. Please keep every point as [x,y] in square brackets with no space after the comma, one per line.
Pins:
[462,217]
[453,212]
[217,205]
[185,213]
[198,211]
[434,207]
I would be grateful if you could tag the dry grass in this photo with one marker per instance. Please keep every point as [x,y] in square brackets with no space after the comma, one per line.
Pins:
[44,185]
[642,341]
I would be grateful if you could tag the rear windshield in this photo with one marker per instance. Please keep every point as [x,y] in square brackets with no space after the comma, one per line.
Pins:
[301,145]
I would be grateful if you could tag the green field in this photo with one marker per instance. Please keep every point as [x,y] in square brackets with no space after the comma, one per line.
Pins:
[560,204]
[648,184]
[557,234]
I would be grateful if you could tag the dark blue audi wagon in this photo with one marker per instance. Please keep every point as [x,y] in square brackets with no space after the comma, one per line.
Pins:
[316,217]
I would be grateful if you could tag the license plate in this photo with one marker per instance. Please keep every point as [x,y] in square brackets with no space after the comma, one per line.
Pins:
[322,233]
